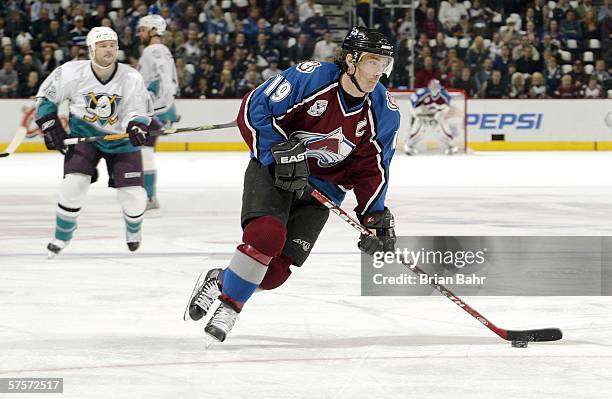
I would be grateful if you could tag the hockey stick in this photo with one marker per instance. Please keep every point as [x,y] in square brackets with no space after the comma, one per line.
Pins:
[17,139]
[164,132]
[521,337]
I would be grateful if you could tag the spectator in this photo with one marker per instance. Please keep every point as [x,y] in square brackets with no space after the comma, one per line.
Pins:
[191,48]
[79,33]
[8,80]
[217,24]
[129,44]
[495,48]
[8,54]
[552,74]
[271,71]
[517,52]
[592,89]
[317,25]
[494,87]
[566,89]
[570,27]
[324,48]
[600,72]
[48,63]
[453,73]
[282,12]
[538,88]
[560,9]
[518,88]
[227,86]
[37,7]
[301,51]
[420,13]
[446,65]
[584,8]
[174,37]
[306,10]
[29,87]
[526,64]
[405,25]
[23,38]
[24,67]
[250,81]
[449,15]
[41,26]
[501,62]
[578,75]
[264,52]
[605,11]
[95,19]
[466,83]
[556,36]
[425,75]
[477,53]
[440,51]
[430,26]
[511,33]
[480,18]
[54,38]
[484,74]
[591,28]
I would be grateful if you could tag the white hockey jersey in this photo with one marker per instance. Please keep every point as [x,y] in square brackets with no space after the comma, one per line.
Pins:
[97,108]
[159,73]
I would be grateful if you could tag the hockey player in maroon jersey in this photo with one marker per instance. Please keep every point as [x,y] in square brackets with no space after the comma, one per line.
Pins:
[329,125]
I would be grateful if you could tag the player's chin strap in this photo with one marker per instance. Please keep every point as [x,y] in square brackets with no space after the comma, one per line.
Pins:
[352,77]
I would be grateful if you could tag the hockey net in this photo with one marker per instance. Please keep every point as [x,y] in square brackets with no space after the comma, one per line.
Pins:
[430,144]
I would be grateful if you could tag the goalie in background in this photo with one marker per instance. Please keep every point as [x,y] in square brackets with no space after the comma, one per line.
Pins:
[430,105]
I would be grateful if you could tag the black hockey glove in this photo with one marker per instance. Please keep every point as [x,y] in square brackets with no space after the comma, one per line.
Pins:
[291,166]
[139,133]
[384,223]
[53,132]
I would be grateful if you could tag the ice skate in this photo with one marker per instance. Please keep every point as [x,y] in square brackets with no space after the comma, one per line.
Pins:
[221,322]
[410,150]
[55,247]
[133,240]
[451,150]
[203,295]
[152,204]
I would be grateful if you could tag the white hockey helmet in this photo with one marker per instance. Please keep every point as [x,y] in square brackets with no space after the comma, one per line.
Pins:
[99,34]
[153,21]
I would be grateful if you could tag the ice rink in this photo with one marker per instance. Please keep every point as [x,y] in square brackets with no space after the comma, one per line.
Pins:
[110,322]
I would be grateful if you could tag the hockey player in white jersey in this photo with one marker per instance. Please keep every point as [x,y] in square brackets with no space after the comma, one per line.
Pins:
[104,97]
[430,105]
[159,73]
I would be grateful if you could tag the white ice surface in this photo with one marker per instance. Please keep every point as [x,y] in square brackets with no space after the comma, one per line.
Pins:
[109,322]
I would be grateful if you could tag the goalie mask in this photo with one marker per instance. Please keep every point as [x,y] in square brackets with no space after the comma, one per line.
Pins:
[434,88]
[100,34]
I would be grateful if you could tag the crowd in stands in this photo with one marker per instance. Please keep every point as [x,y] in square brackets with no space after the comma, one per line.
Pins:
[224,48]
[510,49]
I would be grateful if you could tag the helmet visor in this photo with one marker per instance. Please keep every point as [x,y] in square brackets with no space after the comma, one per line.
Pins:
[376,64]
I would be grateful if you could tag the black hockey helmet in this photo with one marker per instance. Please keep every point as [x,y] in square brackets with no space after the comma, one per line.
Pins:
[361,39]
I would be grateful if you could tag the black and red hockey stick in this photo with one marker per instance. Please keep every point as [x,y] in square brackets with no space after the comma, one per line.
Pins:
[519,336]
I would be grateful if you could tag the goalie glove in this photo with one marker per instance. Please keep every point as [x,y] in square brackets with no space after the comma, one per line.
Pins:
[291,166]
[384,225]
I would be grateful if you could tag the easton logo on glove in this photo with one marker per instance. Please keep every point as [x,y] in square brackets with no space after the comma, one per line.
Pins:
[293,158]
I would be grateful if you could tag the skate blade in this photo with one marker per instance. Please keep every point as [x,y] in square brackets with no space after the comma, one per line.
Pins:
[154,213]
[209,340]
[195,287]
[51,255]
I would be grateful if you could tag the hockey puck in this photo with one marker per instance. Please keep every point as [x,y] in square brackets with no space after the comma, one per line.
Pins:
[519,344]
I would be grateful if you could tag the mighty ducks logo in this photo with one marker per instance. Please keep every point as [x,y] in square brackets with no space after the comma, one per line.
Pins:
[102,108]
[329,148]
